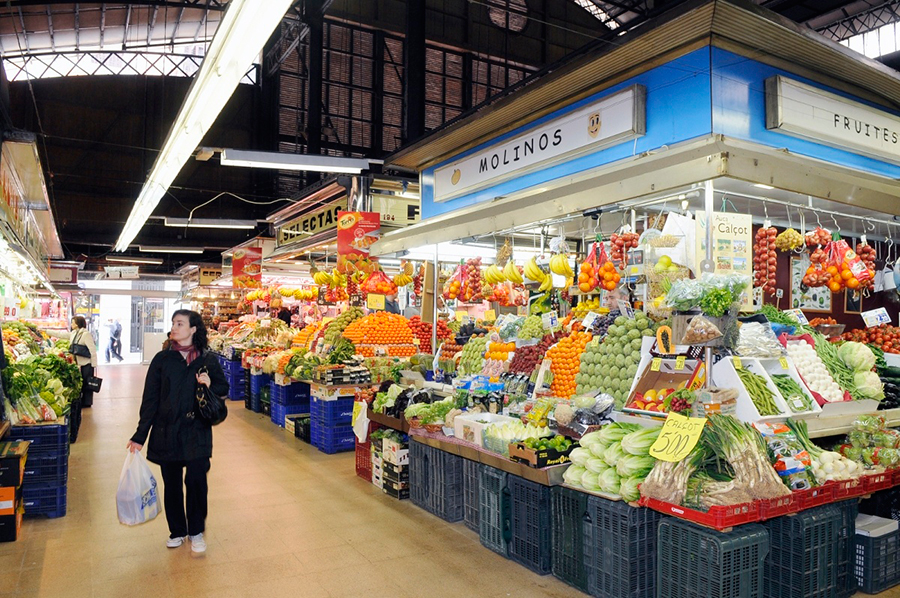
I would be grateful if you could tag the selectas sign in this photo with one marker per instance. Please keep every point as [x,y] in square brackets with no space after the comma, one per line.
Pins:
[246,268]
[603,123]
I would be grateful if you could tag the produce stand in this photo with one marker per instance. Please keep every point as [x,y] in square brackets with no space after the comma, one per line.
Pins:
[393,423]
[4,428]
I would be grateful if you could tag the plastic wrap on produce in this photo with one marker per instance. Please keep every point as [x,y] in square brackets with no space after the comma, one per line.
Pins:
[758,340]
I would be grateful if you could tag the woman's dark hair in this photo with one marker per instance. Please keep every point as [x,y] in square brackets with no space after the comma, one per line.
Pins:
[195,321]
[79,321]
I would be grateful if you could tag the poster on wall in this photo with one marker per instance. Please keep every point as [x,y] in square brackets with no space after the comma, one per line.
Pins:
[246,268]
[356,232]
[802,297]
[732,246]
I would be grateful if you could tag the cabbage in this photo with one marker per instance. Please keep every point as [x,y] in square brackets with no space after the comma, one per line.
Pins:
[585,402]
[628,488]
[857,356]
[612,454]
[579,456]
[614,432]
[639,443]
[609,481]
[572,475]
[596,465]
[590,481]
[598,448]
[590,438]
[634,465]
[868,385]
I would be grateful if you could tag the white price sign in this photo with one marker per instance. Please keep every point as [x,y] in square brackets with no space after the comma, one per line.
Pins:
[625,309]
[550,320]
[589,320]
[876,317]
[797,315]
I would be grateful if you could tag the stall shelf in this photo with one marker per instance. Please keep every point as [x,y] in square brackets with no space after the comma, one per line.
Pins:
[4,428]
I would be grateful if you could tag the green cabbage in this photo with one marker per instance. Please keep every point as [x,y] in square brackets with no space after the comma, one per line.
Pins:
[612,454]
[628,488]
[609,481]
[639,443]
[635,465]
[614,432]
[598,448]
[595,465]
[572,475]
[857,356]
[868,385]
[590,438]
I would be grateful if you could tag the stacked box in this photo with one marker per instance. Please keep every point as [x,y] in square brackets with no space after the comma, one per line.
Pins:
[395,479]
[330,423]
[493,510]
[13,458]
[247,403]
[471,484]
[293,398]
[377,466]
[877,555]
[846,577]
[46,469]
[234,373]
[435,477]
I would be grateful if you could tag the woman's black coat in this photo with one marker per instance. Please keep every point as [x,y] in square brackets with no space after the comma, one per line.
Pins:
[168,399]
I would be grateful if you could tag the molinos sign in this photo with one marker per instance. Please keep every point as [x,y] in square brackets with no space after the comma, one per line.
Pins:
[616,118]
[805,111]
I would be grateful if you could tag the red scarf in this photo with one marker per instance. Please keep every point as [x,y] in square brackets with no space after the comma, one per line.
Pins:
[189,352]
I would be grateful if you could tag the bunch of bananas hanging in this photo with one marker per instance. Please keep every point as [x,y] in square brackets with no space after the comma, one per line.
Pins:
[512,274]
[494,275]
[320,277]
[534,272]
[338,280]
[403,279]
[559,264]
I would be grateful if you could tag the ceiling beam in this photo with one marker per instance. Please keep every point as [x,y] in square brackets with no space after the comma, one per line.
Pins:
[24,32]
[843,25]
[77,28]
[50,28]
[125,30]
[219,5]
[152,24]
[202,22]
[102,22]
[177,25]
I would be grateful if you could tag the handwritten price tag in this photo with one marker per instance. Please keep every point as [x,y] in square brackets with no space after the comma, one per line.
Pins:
[589,320]
[375,301]
[678,437]
[654,365]
[679,363]
[784,363]
[737,363]
[490,315]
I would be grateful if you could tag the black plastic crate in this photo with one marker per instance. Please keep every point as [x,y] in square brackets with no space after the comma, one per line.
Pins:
[846,577]
[884,503]
[803,554]
[622,557]
[570,537]
[493,510]
[471,483]
[445,486]
[877,562]
[266,408]
[529,520]
[699,562]
[302,429]
[418,481]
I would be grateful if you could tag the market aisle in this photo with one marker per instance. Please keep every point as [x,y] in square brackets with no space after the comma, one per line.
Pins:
[285,520]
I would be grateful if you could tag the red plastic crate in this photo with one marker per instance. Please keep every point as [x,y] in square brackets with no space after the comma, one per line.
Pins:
[717,518]
[814,497]
[878,481]
[896,480]
[364,460]
[776,507]
[848,488]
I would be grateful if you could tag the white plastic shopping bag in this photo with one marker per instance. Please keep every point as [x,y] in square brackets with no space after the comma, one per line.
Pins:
[137,499]
[361,420]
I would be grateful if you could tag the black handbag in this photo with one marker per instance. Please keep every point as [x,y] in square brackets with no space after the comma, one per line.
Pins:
[208,407]
[78,348]
[93,383]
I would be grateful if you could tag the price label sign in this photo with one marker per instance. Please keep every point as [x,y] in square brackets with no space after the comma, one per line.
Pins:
[356,300]
[679,363]
[358,407]
[798,315]
[375,301]
[678,437]
[783,362]
[326,320]
[625,309]
[490,315]
[736,361]
[876,317]
[589,320]
[549,320]
[461,315]
[654,365]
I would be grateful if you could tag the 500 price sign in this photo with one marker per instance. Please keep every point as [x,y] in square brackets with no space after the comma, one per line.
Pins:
[678,437]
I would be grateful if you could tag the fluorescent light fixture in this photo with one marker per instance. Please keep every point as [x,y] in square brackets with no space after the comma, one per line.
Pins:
[242,32]
[209,223]
[233,157]
[761,186]
[164,249]
[135,260]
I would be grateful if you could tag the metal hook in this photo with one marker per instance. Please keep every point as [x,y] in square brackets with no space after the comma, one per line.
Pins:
[818,222]
[790,220]
[766,209]
[837,227]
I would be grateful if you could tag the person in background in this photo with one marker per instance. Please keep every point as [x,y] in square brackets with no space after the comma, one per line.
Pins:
[114,345]
[284,314]
[79,335]
[390,304]
[180,443]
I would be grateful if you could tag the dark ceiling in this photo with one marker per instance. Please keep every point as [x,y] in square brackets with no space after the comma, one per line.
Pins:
[98,136]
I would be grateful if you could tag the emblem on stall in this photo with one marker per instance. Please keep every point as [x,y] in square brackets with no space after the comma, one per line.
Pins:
[594,124]
[454,178]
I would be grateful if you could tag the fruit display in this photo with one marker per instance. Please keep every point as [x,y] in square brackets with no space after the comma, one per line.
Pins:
[816,276]
[494,275]
[611,366]
[422,331]
[532,328]
[472,359]
[534,272]
[846,268]
[765,260]
[453,286]
[379,283]
[663,400]
[418,280]
[559,264]
[527,358]
[402,279]
[471,290]
[818,236]
[499,351]
[319,277]
[619,245]
[303,339]
[513,273]
[789,240]
[867,254]
[608,276]
[583,307]
[379,328]
[336,327]
[564,357]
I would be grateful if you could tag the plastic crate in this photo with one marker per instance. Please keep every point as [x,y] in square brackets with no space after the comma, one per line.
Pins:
[293,394]
[418,481]
[851,488]
[698,562]
[47,440]
[530,542]
[257,383]
[302,430]
[332,413]
[332,440]
[803,554]
[884,503]
[718,518]
[364,460]
[493,510]
[815,497]
[266,408]
[878,481]
[624,541]
[49,502]
[278,413]
[571,537]
[255,404]
[876,562]
[46,471]
[471,484]
[445,486]
[846,577]
[777,507]
[235,386]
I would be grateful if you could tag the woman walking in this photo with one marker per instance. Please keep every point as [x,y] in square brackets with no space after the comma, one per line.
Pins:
[79,335]
[180,443]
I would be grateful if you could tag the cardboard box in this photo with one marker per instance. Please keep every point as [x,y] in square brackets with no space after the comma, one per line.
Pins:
[691,376]
[10,499]
[399,491]
[522,453]
[377,479]
[400,472]
[10,525]
[395,476]
[470,426]
[12,462]
[395,452]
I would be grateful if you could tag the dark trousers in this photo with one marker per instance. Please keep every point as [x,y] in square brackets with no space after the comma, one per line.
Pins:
[178,476]
[87,395]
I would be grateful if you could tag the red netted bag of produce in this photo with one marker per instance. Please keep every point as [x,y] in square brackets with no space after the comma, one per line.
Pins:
[453,286]
[378,282]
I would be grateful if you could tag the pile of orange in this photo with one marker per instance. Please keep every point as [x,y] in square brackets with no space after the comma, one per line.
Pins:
[565,359]
[608,276]
[499,351]
[842,277]
[302,338]
[380,328]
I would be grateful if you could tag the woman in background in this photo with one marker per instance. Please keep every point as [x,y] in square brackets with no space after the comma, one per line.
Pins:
[79,335]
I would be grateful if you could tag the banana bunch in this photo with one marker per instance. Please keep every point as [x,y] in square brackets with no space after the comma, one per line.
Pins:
[512,274]
[534,272]
[546,285]
[494,275]
[559,264]
[321,278]
[285,291]
[403,279]
[338,280]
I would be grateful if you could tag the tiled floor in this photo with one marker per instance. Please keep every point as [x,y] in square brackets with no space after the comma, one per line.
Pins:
[284,520]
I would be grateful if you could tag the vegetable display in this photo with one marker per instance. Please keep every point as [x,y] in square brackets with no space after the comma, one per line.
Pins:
[765,259]
[614,460]
[811,367]
[611,366]
[759,392]
[793,395]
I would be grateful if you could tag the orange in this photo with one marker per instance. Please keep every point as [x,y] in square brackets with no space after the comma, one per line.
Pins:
[832,270]
[835,286]
[846,274]
[852,283]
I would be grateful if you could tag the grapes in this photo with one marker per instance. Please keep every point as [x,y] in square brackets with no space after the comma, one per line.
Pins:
[532,328]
